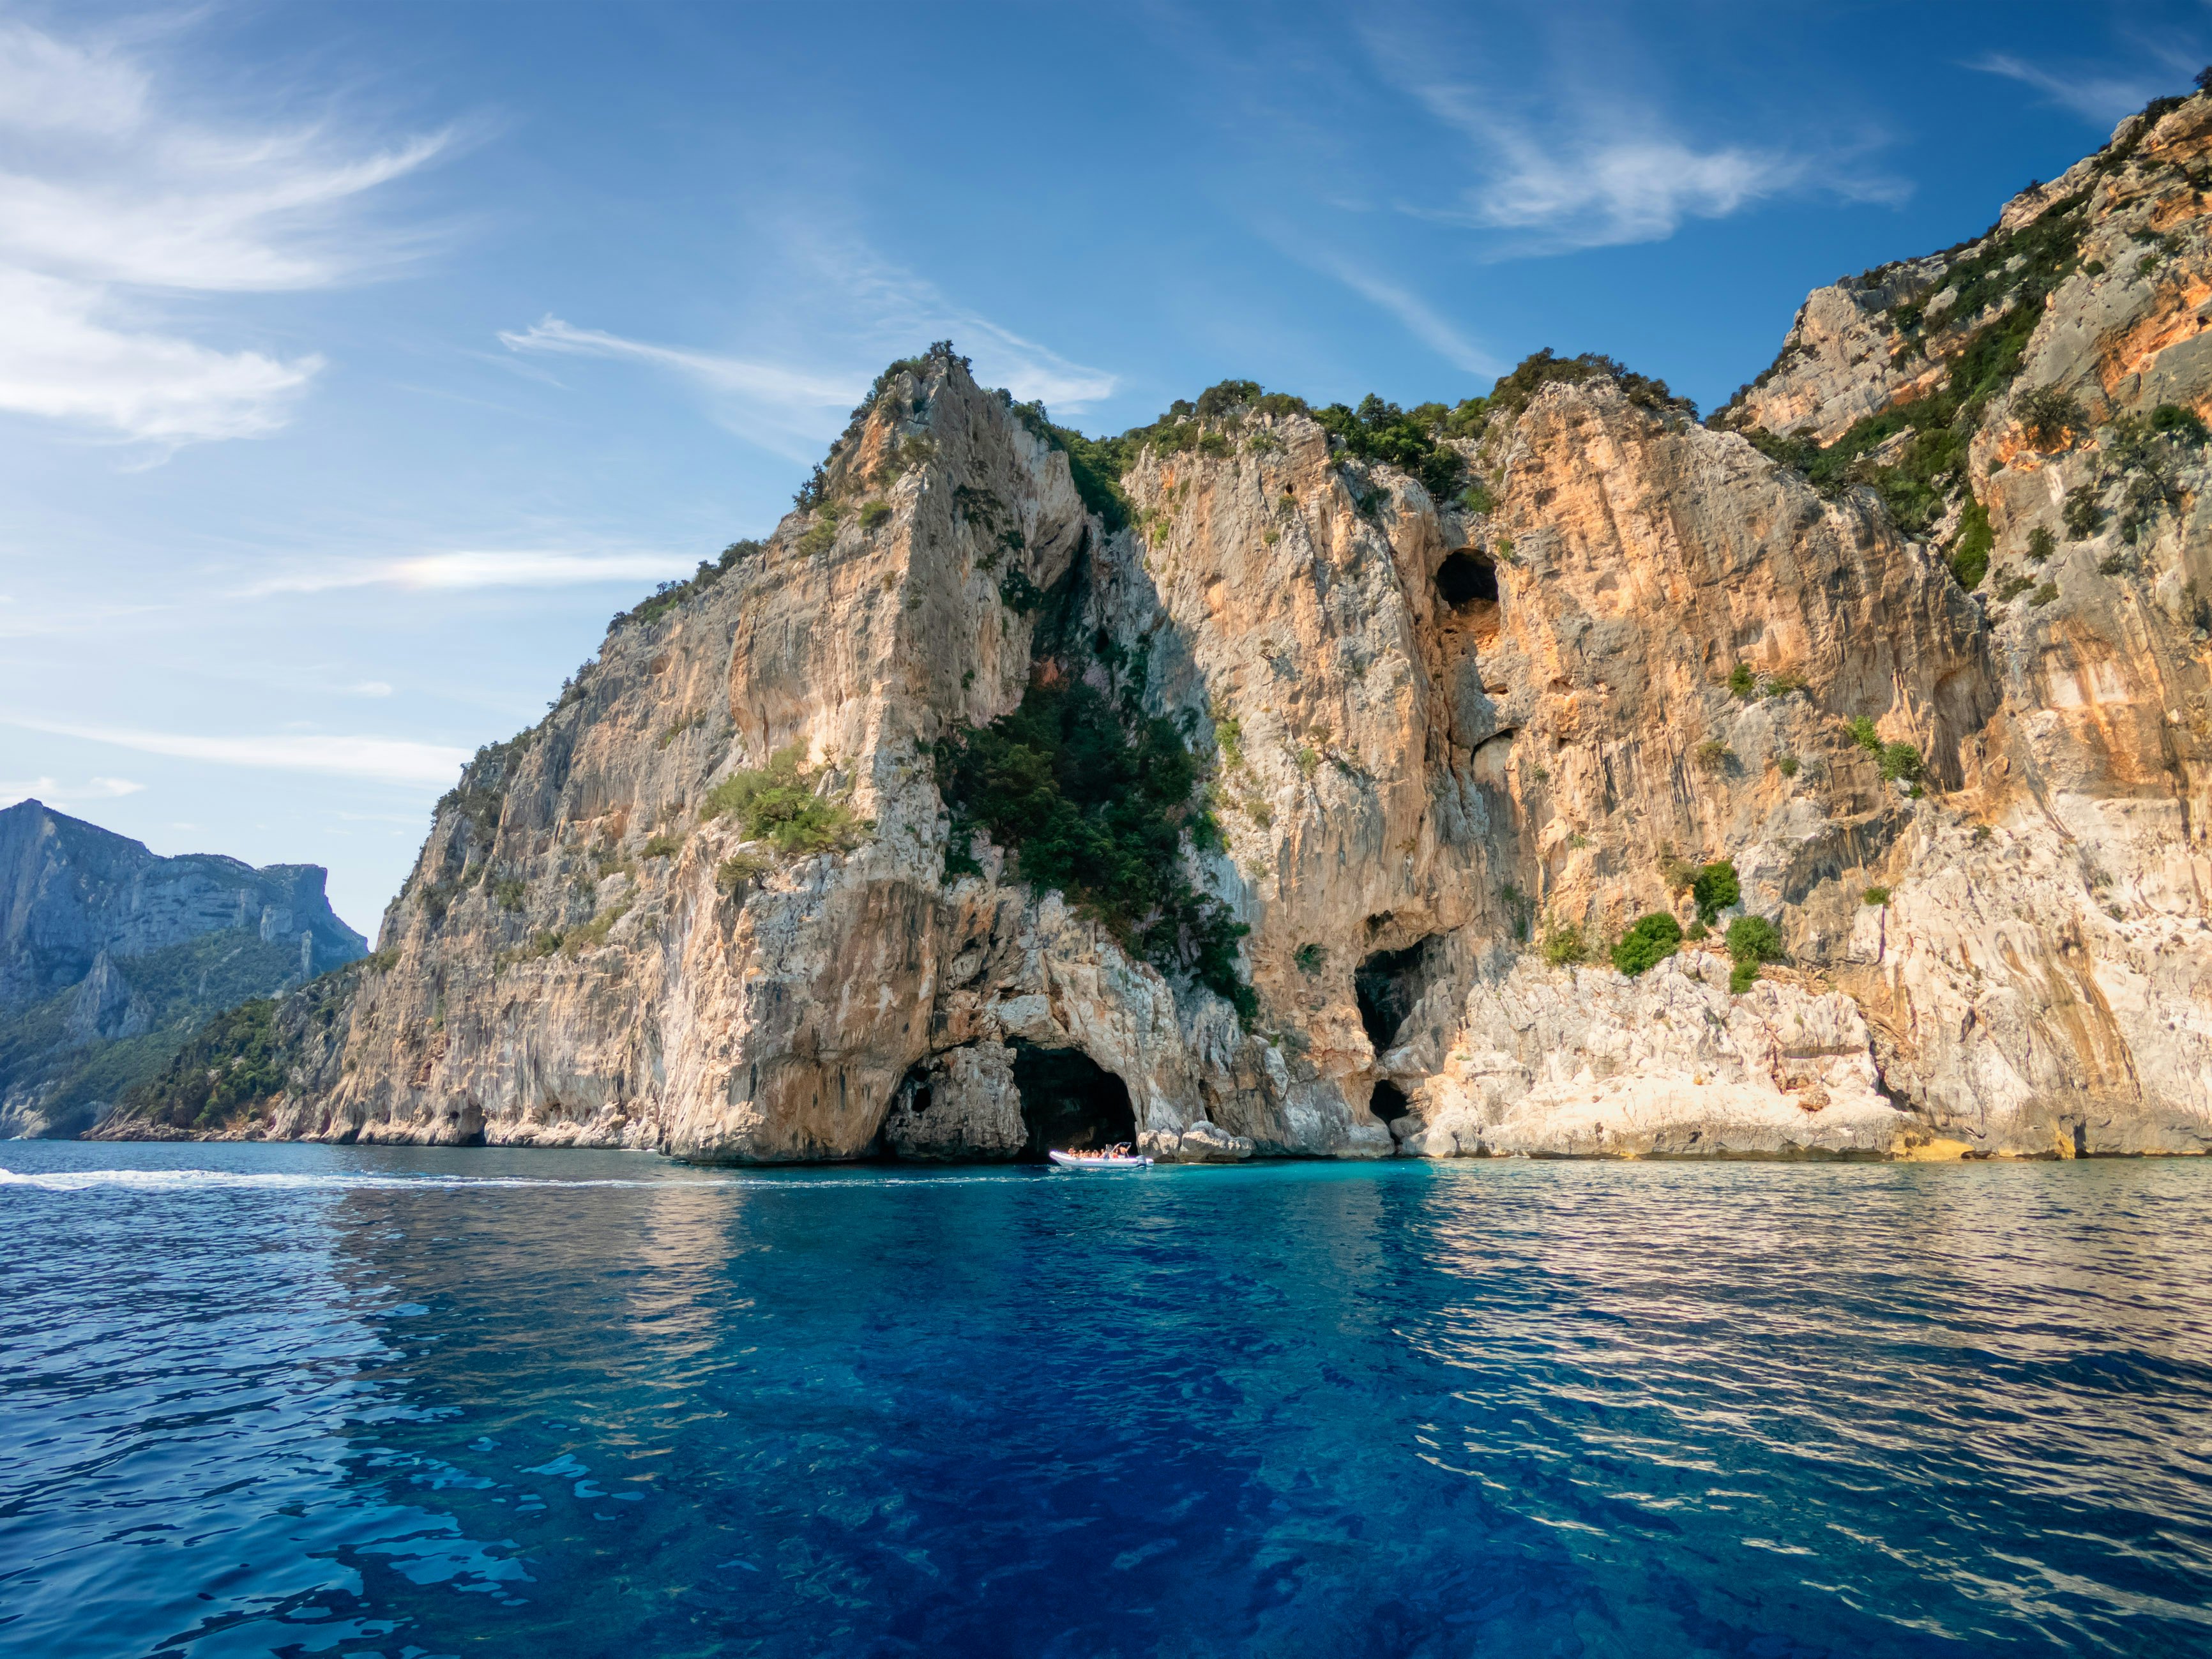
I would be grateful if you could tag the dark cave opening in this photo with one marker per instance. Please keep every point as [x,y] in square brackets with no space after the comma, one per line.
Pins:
[1466,576]
[1389,1102]
[1386,987]
[1070,1102]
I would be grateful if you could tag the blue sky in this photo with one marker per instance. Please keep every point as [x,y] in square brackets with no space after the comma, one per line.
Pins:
[357,363]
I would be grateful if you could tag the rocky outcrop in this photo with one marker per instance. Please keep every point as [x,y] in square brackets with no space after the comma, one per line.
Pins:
[1911,639]
[109,956]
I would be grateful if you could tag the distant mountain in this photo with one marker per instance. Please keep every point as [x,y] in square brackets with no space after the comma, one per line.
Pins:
[111,956]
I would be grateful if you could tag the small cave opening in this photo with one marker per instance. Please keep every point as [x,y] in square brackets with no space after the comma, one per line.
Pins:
[1466,577]
[1070,1102]
[1386,986]
[1389,1102]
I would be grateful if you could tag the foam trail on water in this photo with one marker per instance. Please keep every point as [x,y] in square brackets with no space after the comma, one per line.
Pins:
[196,1180]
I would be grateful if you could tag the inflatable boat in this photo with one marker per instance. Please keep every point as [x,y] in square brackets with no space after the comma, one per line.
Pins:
[1112,1159]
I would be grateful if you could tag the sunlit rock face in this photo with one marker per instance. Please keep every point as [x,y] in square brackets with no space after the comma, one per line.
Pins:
[1452,753]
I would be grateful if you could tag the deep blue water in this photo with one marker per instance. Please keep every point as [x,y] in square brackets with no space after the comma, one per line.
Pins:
[327,1401]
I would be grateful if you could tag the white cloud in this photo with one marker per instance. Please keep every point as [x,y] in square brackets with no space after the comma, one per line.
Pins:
[56,793]
[896,311]
[108,204]
[2101,99]
[1597,170]
[371,689]
[389,760]
[1602,191]
[450,572]
[764,381]
[58,360]
[856,313]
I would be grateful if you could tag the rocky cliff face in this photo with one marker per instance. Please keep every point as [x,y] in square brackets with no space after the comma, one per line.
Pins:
[1911,639]
[109,956]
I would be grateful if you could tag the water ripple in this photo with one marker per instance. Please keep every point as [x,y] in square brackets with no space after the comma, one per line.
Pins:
[262,1400]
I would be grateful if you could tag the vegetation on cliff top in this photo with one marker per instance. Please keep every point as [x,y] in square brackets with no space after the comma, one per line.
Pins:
[1976,304]
[1414,441]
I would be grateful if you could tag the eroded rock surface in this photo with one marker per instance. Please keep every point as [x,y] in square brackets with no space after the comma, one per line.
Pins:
[1452,746]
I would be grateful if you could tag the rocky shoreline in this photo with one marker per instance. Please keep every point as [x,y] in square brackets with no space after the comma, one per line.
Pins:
[1910,641]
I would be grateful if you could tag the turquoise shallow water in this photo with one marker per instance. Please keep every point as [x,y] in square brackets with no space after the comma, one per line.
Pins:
[301,1400]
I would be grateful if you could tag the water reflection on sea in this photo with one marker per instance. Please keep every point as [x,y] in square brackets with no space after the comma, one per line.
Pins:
[295,1399]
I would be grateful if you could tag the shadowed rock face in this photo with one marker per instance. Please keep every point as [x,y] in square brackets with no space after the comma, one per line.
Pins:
[1434,738]
[102,942]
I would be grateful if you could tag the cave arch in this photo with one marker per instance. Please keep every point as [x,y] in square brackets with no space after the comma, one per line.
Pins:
[1467,577]
[1389,1102]
[1386,986]
[1069,1101]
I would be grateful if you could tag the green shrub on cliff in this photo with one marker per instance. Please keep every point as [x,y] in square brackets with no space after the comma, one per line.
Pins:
[1901,763]
[1564,946]
[2047,415]
[666,597]
[1650,942]
[779,803]
[1515,391]
[1714,888]
[1970,554]
[2083,513]
[1751,940]
[1096,803]
[2173,421]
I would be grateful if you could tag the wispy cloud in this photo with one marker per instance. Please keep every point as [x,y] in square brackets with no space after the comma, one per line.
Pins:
[388,759]
[2101,99]
[785,411]
[447,572]
[1421,320]
[109,206]
[856,312]
[765,382]
[66,615]
[1598,170]
[56,793]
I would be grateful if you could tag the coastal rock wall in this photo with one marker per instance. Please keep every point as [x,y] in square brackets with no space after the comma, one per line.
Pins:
[1912,638]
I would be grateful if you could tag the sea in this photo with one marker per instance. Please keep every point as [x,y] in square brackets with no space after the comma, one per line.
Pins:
[297,1401]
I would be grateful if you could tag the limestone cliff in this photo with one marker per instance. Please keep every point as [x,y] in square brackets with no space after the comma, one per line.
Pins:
[1909,641]
[109,955]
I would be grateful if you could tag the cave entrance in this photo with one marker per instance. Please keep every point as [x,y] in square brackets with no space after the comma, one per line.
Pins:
[1070,1102]
[1466,577]
[1389,1102]
[1386,987]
